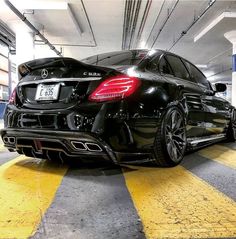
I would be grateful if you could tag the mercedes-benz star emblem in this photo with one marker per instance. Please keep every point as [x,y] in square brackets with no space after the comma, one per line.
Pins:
[44,73]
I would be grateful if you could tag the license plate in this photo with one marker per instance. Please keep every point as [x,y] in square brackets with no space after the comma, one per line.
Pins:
[47,92]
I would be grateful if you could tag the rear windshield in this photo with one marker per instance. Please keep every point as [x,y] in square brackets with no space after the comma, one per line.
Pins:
[117,58]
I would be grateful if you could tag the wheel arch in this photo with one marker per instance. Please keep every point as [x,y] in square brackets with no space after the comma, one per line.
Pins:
[181,105]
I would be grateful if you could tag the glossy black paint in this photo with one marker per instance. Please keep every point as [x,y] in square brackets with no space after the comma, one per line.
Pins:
[123,128]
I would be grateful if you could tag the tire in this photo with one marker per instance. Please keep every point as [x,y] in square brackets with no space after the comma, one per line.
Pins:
[231,131]
[170,142]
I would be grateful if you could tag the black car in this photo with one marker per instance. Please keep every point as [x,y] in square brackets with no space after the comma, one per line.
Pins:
[124,106]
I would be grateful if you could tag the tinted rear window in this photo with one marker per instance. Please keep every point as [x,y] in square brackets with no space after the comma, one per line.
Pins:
[116,58]
[177,67]
[197,75]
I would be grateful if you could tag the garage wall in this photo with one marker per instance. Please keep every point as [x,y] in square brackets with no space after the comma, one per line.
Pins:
[4,95]
[3,77]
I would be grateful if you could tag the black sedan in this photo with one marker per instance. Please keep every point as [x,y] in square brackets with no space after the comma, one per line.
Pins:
[122,106]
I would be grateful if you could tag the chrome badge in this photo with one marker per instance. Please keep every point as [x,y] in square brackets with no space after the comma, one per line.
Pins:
[44,73]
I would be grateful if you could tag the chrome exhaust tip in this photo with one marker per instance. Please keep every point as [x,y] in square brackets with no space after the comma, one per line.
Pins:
[79,145]
[5,140]
[9,140]
[12,140]
[92,147]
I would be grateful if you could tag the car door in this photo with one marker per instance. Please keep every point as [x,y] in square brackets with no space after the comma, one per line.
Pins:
[191,93]
[216,109]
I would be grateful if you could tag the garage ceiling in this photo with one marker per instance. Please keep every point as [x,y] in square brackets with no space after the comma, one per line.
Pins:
[87,27]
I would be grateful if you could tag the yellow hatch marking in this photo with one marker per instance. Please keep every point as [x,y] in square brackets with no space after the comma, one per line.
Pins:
[27,188]
[173,203]
[220,154]
[2,148]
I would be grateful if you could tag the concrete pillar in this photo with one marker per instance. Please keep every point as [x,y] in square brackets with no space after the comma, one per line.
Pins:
[231,36]
[24,46]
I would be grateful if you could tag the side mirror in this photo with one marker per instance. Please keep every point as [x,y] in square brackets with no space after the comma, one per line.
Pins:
[220,87]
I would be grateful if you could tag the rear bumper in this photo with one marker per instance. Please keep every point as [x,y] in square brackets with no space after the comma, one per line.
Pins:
[64,144]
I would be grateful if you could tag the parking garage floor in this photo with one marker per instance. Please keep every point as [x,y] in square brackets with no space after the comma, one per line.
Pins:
[98,200]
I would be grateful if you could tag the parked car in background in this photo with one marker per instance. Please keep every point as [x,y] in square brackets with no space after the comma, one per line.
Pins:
[122,106]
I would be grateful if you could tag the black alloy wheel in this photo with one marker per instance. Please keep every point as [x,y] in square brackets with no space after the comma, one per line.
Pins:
[170,144]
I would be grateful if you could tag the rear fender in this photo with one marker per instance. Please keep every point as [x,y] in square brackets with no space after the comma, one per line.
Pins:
[180,105]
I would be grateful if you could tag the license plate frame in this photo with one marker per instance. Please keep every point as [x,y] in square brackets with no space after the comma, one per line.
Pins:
[47,92]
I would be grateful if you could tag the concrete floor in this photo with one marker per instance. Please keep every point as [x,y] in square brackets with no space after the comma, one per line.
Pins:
[99,200]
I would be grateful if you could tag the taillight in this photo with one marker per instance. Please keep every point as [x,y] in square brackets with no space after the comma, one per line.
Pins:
[115,88]
[12,99]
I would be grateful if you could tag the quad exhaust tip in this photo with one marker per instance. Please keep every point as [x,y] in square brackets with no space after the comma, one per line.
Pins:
[78,145]
[82,146]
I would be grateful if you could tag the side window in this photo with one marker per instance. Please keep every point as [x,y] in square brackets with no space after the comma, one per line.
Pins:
[178,67]
[153,65]
[197,76]
[164,67]
[158,65]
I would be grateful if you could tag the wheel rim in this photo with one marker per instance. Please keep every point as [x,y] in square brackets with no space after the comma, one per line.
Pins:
[175,136]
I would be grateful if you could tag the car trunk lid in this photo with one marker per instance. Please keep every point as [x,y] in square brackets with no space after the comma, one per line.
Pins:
[57,82]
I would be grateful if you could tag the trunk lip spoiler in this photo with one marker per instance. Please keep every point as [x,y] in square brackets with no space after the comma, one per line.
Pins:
[56,80]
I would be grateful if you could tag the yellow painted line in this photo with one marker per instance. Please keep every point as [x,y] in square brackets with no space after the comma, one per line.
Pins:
[173,203]
[220,154]
[27,188]
[2,148]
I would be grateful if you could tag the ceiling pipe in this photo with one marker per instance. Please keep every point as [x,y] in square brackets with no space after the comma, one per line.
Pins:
[128,17]
[210,4]
[157,18]
[31,26]
[38,42]
[143,21]
[166,20]
[132,8]
[124,24]
[134,23]
[7,36]
[128,14]
[130,20]
[6,41]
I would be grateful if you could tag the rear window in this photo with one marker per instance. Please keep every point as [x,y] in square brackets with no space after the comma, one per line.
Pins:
[116,58]
[197,75]
[177,67]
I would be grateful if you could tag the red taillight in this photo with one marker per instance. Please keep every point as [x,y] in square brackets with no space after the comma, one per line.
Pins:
[115,88]
[12,99]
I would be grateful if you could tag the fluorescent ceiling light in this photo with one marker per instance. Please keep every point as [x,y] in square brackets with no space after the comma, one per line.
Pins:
[29,4]
[214,23]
